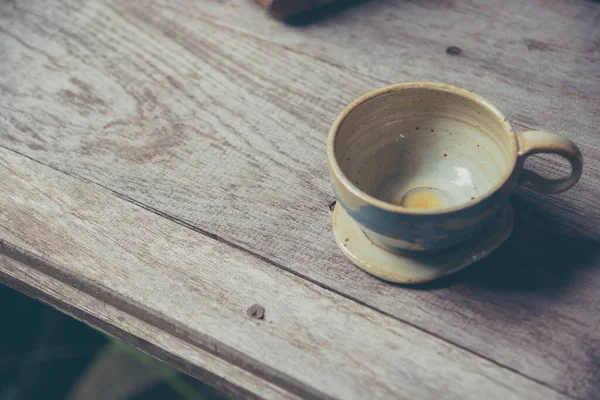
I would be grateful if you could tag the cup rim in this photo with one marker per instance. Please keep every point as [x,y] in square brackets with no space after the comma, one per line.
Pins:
[442,87]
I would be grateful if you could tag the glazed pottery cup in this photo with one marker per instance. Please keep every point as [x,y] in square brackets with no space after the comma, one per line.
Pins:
[419,166]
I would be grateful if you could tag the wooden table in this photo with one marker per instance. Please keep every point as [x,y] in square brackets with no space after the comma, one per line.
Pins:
[163,169]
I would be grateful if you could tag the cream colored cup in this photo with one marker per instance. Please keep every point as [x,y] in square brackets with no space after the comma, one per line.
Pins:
[419,166]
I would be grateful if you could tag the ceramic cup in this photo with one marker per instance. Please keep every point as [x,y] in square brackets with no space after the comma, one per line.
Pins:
[419,166]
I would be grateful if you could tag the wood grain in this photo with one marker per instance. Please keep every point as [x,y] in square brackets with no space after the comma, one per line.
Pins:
[311,342]
[537,62]
[203,119]
[145,337]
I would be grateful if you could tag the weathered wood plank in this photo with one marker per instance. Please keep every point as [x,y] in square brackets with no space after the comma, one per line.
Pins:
[176,352]
[225,132]
[539,63]
[311,341]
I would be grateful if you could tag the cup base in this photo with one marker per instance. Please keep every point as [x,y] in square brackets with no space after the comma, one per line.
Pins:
[406,268]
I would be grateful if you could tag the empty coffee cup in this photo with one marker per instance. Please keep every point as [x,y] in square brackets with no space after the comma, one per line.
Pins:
[420,166]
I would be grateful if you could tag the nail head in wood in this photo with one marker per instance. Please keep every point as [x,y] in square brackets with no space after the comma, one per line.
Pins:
[454,51]
[256,311]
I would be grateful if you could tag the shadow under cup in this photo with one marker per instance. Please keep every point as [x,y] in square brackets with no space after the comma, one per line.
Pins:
[421,166]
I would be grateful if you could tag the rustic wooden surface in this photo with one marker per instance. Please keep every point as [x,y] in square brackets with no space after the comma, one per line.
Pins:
[162,345]
[191,144]
[311,341]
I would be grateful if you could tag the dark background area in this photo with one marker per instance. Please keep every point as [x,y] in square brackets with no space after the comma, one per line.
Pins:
[45,354]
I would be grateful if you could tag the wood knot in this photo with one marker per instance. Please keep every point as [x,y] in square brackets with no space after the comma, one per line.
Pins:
[256,311]
[454,51]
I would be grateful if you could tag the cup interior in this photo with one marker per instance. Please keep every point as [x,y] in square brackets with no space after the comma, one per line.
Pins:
[425,148]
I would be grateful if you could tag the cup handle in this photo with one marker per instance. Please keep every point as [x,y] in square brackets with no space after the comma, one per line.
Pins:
[534,142]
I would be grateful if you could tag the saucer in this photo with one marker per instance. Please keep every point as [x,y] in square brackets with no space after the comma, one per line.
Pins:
[414,268]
